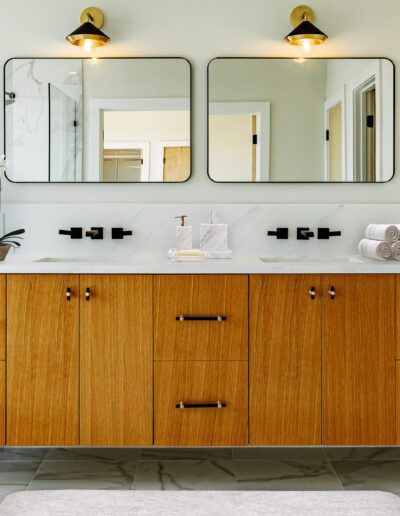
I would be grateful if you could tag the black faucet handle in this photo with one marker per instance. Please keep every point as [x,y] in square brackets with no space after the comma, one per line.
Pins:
[304,234]
[280,233]
[326,233]
[74,233]
[119,233]
[95,233]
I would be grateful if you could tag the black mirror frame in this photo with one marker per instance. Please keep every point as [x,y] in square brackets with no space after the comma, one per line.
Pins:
[93,182]
[299,182]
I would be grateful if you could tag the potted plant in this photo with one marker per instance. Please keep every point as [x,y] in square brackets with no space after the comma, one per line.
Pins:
[10,240]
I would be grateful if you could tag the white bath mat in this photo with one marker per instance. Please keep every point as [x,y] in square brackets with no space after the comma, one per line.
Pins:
[200,503]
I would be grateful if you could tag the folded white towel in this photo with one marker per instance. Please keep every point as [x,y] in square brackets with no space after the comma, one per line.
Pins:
[396,250]
[375,249]
[385,232]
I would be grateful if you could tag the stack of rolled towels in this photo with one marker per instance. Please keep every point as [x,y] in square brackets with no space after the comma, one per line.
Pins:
[381,242]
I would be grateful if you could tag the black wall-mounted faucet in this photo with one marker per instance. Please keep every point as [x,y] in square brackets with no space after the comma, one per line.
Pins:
[326,233]
[304,234]
[95,233]
[74,233]
[280,233]
[119,233]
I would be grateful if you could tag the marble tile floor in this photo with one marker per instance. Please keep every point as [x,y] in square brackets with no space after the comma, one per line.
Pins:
[205,469]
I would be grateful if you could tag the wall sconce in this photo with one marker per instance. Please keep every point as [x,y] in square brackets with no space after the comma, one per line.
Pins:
[89,36]
[305,33]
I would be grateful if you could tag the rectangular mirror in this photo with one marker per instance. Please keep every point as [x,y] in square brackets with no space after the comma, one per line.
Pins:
[301,120]
[117,120]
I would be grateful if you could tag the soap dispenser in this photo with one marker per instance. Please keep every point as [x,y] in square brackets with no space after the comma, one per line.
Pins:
[183,234]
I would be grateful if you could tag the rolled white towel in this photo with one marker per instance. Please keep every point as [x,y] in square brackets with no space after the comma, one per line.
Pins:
[374,249]
[385,232]
[396,250]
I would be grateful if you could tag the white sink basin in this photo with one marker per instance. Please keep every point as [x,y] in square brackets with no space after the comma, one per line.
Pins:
[101,260]
[311,259]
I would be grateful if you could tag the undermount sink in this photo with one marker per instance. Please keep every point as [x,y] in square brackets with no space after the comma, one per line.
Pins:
[91,259]
[311,259]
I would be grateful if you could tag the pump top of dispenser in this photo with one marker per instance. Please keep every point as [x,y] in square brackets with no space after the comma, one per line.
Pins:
[183,219]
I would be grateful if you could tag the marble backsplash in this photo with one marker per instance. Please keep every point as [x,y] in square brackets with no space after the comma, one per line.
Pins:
[154,227]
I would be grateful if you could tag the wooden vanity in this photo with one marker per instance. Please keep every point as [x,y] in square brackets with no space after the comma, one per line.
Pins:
[199,360]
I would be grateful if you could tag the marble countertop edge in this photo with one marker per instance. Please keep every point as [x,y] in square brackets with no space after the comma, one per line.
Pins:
[159,264]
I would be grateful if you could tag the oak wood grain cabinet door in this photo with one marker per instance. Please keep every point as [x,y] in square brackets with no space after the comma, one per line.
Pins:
[397,402]
[186,400]
[42,360]
[2,403]
[3,315]
[358,359]
[3,304]
[398,317]
[201,334]
[285,360]
[116,360]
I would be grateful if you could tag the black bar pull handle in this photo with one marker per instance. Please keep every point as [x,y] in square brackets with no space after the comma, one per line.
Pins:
[332,293]
[87,294]
[312,293]
[68,294]
[218,318]
[182,405]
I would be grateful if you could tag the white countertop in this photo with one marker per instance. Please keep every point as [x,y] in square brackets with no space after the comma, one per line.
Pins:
[159,264]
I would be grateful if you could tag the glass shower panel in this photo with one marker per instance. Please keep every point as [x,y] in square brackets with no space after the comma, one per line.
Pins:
[62,136]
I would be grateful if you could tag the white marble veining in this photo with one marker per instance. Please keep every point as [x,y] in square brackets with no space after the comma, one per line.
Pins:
[184,237]
[27,119]
[154,233]
[214,237]
[194,469]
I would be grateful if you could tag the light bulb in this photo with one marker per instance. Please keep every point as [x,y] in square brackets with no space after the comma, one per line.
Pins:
[87,45]
[307,46]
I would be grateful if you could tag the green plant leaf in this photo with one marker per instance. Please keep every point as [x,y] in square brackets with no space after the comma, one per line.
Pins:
[13,233]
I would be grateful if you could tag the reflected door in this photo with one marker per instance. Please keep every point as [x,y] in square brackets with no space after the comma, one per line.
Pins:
[122,165]
[335,142]
[370,135]
[176,166]
[365,131]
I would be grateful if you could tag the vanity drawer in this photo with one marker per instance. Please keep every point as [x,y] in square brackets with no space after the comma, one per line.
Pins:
[200,386]
[214,309]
